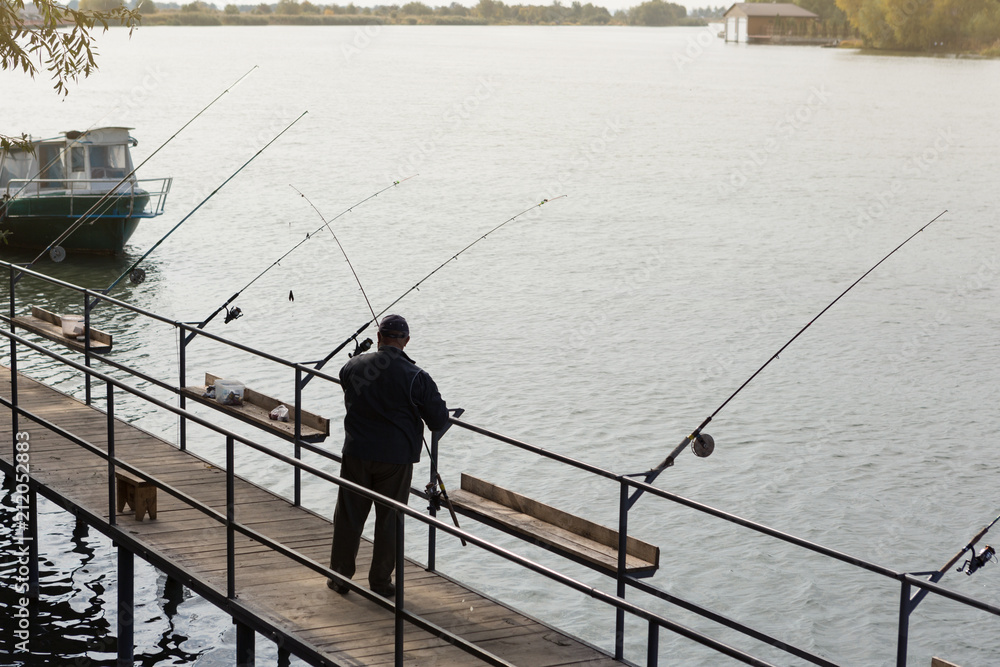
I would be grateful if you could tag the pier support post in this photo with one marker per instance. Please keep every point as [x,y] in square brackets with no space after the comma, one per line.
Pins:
[244,645]
[32,538]
[126,602]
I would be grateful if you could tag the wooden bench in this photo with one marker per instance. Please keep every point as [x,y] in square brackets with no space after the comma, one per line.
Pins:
[256,408]
[571,536]
[49,325]
[138,494]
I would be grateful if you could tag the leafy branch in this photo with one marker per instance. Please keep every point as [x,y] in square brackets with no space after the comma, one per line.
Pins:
[53,39]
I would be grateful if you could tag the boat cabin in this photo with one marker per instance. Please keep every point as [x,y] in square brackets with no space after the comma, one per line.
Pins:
[92,161]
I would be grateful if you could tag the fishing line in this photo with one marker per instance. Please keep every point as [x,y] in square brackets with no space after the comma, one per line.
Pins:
[235,313]
[76,225]
[138,277]
[339,245]
[367,344]
[702,444]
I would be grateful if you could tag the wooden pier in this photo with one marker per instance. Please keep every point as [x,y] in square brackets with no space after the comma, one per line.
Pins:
[277,597]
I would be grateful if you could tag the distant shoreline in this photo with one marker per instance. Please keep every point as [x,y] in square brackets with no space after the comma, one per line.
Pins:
[181,18]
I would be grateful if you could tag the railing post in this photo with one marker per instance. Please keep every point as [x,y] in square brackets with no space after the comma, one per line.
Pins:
[653,645]
[13,368]
[904,624]
[622,546]
[230,518]
[298,435]
[86,346]
[182,371]
[112,517]
[400,567]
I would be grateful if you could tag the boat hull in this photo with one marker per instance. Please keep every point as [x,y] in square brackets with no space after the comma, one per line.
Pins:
[34,223]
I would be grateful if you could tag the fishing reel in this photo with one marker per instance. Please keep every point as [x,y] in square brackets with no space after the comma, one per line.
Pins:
[433,496]
[233,314]
[360,348]
[703,445]
[976,562]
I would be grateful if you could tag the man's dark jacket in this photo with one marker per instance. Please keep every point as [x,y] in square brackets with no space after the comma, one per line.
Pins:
[388,398]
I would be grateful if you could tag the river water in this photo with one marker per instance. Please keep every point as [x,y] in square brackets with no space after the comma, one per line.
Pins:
[717,197]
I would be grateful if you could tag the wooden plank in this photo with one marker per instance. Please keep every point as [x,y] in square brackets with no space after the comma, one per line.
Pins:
[348,629]
[938,662]
[552,515]
[256,408]
[49,325]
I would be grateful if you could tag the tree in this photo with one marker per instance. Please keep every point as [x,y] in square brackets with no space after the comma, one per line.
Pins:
[656,13]
[43,36]
[146,7]
[289,7]
[231,9]
[416,9]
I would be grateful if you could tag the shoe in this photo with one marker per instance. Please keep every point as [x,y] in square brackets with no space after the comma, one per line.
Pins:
[385,590]
[336,585]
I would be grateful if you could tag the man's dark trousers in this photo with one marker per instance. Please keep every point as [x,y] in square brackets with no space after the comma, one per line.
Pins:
[388,479]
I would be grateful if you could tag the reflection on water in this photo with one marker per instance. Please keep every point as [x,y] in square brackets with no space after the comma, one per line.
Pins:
[73,620]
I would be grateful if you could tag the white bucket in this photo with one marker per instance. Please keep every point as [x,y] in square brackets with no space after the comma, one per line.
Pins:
[72,325]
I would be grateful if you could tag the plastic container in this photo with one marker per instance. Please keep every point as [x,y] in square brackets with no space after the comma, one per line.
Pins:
[72,325]
[229,392]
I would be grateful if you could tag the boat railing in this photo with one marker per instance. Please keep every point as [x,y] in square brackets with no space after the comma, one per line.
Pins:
[135,198]
[118,396]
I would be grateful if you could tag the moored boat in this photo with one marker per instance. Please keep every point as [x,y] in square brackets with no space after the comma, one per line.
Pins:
[49,189]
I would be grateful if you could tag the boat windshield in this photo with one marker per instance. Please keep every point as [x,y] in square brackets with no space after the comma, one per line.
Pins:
[14,165]
[108,162]
[50,156]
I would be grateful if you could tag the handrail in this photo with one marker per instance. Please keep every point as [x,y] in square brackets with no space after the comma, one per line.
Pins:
[397,506]
[156,189]
[617,601]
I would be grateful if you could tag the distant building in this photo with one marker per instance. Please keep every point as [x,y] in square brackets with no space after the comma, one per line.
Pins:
[767,22]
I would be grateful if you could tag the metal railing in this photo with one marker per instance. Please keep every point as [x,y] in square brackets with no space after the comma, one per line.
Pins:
[81,194]
[622,608]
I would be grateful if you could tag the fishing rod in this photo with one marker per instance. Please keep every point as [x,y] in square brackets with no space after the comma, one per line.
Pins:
[235,312]
[702,444]
[137,275]
[367,343]
[970,566]
[76,225]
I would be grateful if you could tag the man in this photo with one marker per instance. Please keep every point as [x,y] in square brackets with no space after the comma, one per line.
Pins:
[388,399]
